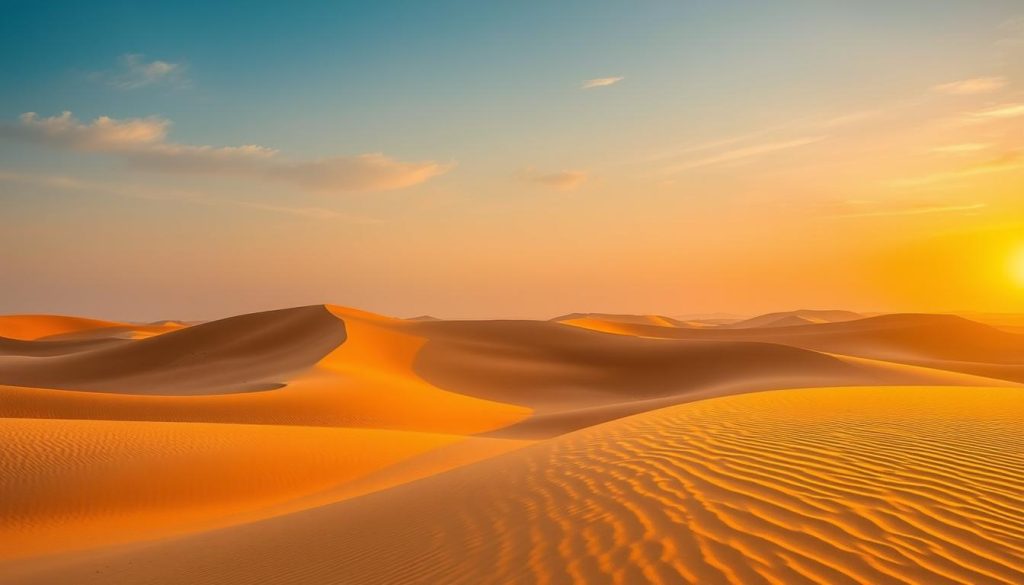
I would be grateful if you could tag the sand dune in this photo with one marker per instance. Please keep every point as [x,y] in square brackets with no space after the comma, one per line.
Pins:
[308,371]
[851,485]
[798,317]
[32,327]
[26,348]
[331,366]
[259,350]
[164,451]
[60,327]
[324,444]
[658,320]
[614,323]
[945,341]
[70,484]
[573,378]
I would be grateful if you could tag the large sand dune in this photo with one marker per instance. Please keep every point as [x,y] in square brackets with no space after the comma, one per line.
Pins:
[854,485]
[250,352]
[323,444]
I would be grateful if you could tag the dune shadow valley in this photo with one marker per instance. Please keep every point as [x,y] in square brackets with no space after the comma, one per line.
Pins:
[325,445]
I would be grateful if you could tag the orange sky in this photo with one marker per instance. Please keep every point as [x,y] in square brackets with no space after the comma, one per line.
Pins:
[840,158]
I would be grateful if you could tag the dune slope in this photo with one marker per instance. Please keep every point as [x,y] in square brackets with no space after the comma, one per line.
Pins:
[838,485]
[898,337]
[244,353]
[68,484]
[33,327]
[573,377]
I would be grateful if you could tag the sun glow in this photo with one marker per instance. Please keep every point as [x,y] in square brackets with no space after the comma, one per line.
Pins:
[1017,265]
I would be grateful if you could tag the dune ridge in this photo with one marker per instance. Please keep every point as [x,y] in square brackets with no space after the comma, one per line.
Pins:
[186,361]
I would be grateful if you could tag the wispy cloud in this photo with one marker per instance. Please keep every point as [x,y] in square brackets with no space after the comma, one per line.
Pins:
[966,148]
[1000,112]
[975,86]
[746,152]
[866,209]
[850,119]
[142,142]
[159,193]
[600,82]
[134,71]
[1008,162]
[560,181]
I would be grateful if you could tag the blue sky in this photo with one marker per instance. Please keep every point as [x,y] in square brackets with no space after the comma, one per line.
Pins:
[483,132]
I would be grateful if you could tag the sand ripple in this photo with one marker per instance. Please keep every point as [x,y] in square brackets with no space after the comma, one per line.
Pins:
[838,485]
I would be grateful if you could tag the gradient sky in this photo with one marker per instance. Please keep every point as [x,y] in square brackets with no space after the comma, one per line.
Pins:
[511,159]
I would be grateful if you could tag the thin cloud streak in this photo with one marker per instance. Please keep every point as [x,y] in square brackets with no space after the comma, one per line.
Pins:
[600,82]
[149,193]
[133,71]
[142,142]
[566,180]
[1009,162]
[918,210]
[962,148]
[744,153]
[976,86]
[1001,112]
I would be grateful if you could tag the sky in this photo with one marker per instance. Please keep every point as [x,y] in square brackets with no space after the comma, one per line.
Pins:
[194,160]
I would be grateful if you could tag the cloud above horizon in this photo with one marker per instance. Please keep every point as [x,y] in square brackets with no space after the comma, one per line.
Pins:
[133,71]
[600,82]
[743,153]
[861,209]
[976,86]
[1010,161]
[566,180]
[142,143]
[161,193]
[1001,112]
[965,148]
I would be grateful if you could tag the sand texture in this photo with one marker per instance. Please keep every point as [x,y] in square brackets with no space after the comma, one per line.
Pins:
[329,445]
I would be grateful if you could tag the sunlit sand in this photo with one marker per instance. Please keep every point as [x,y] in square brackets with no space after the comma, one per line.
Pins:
[323,444]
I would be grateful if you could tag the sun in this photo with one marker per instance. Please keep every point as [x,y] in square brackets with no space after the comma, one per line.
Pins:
[1017,265]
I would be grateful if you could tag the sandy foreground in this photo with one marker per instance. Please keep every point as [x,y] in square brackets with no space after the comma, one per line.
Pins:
[328,445]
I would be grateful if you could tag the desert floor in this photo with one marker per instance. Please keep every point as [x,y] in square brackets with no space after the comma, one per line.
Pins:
[326,445]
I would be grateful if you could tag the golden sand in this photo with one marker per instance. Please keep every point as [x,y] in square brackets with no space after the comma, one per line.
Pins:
[324,445]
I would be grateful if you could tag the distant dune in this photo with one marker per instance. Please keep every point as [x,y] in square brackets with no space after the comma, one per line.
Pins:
[627,319]
[800,317]
[943,341]
[324,444]
[54,327]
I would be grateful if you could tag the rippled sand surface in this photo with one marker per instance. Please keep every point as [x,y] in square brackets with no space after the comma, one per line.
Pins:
[328,445]
[832,485]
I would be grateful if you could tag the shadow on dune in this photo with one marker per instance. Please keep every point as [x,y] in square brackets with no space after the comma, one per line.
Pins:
[238,354]
[574,377]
